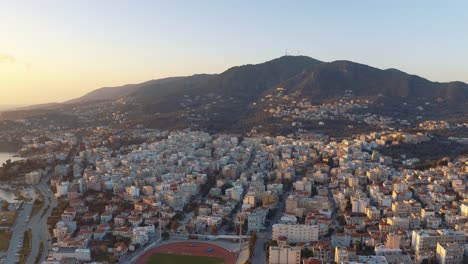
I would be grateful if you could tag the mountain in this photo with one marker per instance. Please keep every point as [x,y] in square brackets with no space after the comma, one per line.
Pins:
[243,83]
[10,107]
[112,93]
[239,98]
[332,79]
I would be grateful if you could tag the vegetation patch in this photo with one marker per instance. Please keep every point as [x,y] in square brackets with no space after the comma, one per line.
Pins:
[7,218]
[37,205]
[430,153]
[26,250]
[181,259]
[56,214]
[5,236]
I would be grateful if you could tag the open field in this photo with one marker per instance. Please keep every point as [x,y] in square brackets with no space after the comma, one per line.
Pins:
[181,259]
[188,252]
[37,205]
[26,249]
[5,236]
[7,218]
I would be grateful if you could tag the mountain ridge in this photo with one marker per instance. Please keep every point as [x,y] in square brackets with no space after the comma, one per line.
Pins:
[112,93]
[231,99]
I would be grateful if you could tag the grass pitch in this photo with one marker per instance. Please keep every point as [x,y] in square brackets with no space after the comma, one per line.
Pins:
[160,258]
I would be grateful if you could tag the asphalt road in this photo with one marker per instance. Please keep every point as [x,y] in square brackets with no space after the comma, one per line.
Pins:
[17,238]
[38,224]
[259,255]
[333,217]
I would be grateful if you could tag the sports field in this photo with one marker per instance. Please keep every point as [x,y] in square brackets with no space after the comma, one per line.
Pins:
[159,258]
[194,252]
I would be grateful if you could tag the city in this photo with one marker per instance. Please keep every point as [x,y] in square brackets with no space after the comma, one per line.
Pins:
[233,132]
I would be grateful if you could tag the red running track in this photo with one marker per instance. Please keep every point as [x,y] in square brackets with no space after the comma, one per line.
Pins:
[191,249]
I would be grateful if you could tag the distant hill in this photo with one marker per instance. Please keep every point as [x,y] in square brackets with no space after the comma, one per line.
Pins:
[330,79]
[112,93]
[9,107]
[224,101]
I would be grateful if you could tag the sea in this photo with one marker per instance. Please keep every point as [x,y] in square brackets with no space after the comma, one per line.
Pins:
[4,156]
[5,193]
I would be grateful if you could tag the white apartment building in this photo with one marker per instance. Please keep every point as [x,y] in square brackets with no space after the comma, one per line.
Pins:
[284,255]
[249,199]
[359,204]
[426,240]
[341,255]
[81,254]
[33,177]
[235,192]
[62,189]
[256,220]
[142,234]
[303,185]
[449,253]
[464,209]
[133,191]
[296,233]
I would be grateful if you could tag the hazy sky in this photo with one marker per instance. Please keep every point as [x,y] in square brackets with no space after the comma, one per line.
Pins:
[58,50]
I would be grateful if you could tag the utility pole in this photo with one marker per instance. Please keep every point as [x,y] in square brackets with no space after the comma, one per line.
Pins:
[160,227]
[240,236]
[242,219]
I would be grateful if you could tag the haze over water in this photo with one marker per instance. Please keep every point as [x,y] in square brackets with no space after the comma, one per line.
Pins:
[4,156]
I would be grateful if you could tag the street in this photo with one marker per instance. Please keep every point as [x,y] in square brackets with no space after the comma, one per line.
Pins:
[38,224]
[259,255]
[17,238]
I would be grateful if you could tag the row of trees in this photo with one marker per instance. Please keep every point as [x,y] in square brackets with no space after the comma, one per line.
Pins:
[10,170]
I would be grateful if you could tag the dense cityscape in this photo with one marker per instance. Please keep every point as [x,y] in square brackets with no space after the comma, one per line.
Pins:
[233,132]
[107,195]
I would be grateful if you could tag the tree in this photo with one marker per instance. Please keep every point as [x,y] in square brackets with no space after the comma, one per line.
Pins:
[307,253]
[287,184]
[341,220]
[358,246]
[165,235]
[174,226]
[313,191]
[348,205]
[230,226]
[5,206]
[177,217]
[442,216]
[214,230]
[253,239]
[253,236]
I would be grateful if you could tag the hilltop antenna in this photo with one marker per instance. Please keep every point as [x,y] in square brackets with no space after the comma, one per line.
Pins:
[285,52]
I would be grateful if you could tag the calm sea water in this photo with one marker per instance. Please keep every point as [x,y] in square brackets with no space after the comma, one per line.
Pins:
[5,194]
[4,156]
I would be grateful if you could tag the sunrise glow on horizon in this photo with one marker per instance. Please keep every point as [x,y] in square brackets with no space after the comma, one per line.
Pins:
[53,51]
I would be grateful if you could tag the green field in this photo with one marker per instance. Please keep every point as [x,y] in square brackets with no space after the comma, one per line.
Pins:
[181,259]
[5,236]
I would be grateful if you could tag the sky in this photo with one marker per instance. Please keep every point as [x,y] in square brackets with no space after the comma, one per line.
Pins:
[52,51]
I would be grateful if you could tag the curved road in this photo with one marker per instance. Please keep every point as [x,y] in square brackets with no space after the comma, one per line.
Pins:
[38,224]
[18,231]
